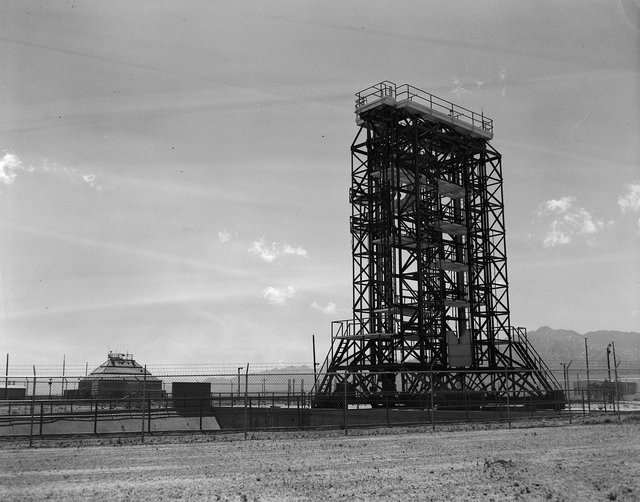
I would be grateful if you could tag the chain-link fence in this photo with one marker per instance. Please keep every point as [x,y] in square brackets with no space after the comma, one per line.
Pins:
[245,400]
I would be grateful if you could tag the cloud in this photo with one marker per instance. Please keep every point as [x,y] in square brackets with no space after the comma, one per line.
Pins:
[271,253]
[631,12]
[470,83]
[224,236]
[298,251]
[9,164]
[458,89]
[91,180]
[556,236]
[69,173]
[262,251]
[502,76]
[567,221]
[330,308]
[561,205]
[278,296]
[630,200]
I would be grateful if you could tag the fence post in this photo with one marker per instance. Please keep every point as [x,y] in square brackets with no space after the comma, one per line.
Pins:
[507,387]
[95,418]
[386,405]
[41,417]
[33,405]
[586,356]
[144,388]
[433,411]
[615,368]
[569,396]
[246,395]
[345,404]
[6,380]
[466,404]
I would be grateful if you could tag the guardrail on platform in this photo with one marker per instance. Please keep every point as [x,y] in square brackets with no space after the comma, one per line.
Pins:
[387,89]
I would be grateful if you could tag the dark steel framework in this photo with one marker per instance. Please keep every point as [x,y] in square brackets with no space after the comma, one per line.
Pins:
[430,288]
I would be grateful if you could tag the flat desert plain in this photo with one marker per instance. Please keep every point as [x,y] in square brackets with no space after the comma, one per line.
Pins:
[570,462]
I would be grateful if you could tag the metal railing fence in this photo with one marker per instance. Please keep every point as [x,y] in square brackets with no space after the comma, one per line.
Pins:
[387,89]
[246,401]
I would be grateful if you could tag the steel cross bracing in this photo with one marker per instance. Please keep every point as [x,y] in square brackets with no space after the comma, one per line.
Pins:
[430,288]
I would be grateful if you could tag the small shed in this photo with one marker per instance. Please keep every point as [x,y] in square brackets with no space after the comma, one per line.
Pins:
[191,397]
[120,376]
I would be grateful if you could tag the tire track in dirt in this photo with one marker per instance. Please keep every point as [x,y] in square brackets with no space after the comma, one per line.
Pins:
[590,462]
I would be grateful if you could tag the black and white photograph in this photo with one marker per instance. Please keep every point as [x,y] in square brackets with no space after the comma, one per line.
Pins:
[297,250]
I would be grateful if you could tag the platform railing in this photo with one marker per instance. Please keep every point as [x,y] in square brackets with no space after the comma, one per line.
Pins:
[375,92]
[406,92]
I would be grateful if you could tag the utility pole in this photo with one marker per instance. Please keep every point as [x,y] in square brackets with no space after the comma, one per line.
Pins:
[246,399]
[586,355]
[64,362]
[6,379]
[615,369]
[566,386]
[315,376]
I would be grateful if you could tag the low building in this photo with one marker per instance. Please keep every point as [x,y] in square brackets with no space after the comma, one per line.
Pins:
[12,390]
[598,389]
[120,376]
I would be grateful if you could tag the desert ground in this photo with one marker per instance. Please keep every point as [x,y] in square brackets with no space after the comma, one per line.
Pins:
[581,462]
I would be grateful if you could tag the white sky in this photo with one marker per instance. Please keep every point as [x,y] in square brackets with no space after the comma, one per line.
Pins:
[174,175]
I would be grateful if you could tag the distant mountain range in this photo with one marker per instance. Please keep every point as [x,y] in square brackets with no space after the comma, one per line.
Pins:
[557,346]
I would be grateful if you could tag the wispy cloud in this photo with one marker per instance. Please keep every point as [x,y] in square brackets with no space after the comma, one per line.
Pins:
[224,236]
[92,181]
[631,12]
[567,221]
[458,88]
[278,296]
[129,249]
[329,308]
[471,83]
[297,251]
[630,200]
[561,205]
[69,173]
[10,165]
[270,253]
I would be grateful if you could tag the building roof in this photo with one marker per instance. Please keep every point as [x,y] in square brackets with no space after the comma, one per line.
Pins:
[120,366]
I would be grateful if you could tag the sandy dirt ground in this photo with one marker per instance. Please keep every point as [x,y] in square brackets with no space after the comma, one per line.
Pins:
[572,462]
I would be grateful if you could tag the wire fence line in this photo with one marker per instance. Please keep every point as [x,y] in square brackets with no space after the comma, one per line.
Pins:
[244,400]
[53,381]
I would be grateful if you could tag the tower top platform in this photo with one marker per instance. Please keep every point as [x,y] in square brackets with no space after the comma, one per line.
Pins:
[430,107]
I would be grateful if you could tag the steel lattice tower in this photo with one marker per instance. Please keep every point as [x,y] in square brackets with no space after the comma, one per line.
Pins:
[430,288]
